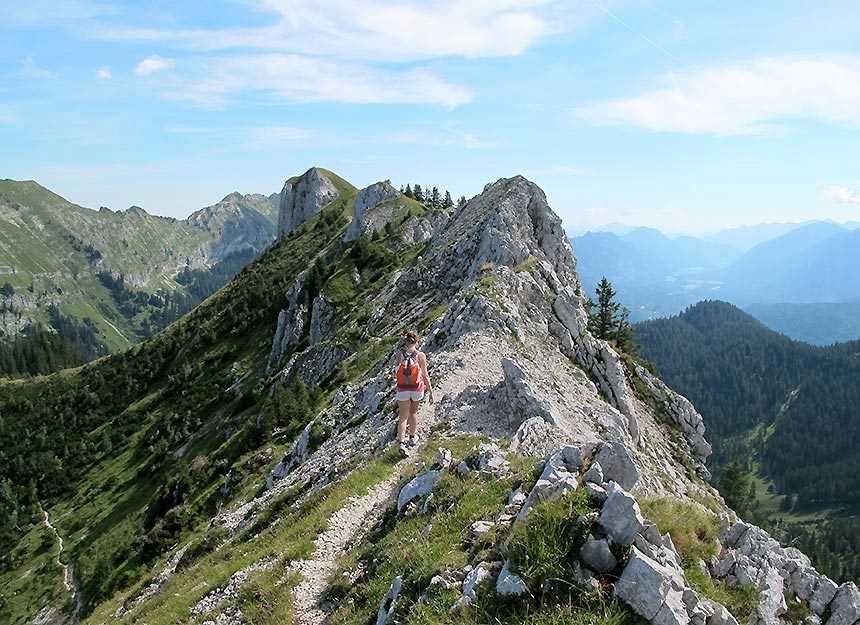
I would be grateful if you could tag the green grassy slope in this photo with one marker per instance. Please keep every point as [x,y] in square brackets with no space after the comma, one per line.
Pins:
[97,448]
[54,252]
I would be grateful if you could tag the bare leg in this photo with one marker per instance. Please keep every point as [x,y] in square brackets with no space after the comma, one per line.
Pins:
[403,415]
[413,418]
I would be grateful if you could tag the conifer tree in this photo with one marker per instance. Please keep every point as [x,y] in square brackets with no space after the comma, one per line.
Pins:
[408,192]
[418,193]
[447,202]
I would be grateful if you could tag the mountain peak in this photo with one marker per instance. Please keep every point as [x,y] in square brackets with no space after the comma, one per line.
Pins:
[304,196]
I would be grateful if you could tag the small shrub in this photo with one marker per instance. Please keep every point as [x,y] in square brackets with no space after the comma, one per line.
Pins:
[547,545]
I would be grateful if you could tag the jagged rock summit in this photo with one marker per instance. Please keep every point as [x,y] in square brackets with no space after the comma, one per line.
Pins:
[304,196]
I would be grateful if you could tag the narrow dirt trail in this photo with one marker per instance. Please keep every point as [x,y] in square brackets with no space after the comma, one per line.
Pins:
[67,576]
[345,526]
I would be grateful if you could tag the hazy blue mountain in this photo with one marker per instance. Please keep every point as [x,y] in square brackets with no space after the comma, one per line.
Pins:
[815,263]
[655,275]
[744,238]
[818,324]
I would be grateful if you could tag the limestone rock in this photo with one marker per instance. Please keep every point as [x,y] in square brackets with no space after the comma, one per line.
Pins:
[595,554]
[418,487]
[304,197]
[322,317]
[524,402]
[389,601]
[492,460]
[620,516]
[473,579]
[617,466]
[364,221]
[534,437]
[594,474]
[845,608]
[651,589]
[509,584]
[291,322]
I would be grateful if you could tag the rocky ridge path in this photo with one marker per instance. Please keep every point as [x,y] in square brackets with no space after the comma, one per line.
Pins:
[345,526]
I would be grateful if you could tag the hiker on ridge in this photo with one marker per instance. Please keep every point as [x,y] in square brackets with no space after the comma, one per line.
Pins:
[412,379]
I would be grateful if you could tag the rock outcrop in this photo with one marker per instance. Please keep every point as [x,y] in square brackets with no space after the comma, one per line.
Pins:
[366,219]
[303,197]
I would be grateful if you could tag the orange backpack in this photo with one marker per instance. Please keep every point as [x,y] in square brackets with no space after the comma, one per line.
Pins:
[409,371]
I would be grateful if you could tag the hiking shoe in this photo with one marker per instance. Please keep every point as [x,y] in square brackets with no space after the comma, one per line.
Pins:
[413,440]
[404,451]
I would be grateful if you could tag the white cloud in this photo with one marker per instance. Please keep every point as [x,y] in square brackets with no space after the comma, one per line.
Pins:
[844,195]
[104,73]
[304,79]
[153,64]
[758,96]
[405,30]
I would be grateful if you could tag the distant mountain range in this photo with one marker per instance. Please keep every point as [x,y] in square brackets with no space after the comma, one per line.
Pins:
[812,263]
[120,275]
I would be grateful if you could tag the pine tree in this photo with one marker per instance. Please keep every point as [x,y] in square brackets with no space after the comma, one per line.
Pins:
[447,202]
[408,192]
[611,321]
[435,199]
[418,193]
[461,202]
[734,486]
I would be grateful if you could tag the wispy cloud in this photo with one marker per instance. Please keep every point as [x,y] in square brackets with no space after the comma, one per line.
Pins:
[441,137]
[104,73]
[31,69]
[406,30]
[843,194]
[303,79]
[153,64]
[755,97]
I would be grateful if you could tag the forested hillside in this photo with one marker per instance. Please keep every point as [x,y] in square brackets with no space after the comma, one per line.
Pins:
[76,282]
[786,409]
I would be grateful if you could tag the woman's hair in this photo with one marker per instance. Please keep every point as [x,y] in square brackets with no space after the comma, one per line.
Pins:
[412,337]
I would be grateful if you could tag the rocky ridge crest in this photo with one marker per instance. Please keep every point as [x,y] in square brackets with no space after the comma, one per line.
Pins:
[495,292]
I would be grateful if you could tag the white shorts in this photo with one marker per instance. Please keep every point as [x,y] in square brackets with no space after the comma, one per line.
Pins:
[410,395]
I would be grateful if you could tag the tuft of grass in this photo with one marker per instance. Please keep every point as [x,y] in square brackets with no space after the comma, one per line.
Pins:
[528,265]
[740,600]
[798,611]
[266,598]
[547,545]
[694,531]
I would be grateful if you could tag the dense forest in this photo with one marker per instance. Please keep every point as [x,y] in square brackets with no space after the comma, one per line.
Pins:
[785,409]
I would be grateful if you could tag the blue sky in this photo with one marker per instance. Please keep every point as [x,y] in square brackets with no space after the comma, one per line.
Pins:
[688,116]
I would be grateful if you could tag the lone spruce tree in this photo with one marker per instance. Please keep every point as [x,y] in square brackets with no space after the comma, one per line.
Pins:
[608,319]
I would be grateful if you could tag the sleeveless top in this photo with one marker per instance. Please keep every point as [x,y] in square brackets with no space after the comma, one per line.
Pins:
[403,355]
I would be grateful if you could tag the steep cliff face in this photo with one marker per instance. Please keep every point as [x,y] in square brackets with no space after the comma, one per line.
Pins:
[304,196]
[551,470]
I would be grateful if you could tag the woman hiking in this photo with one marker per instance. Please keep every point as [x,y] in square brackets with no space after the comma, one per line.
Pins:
[412,379]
